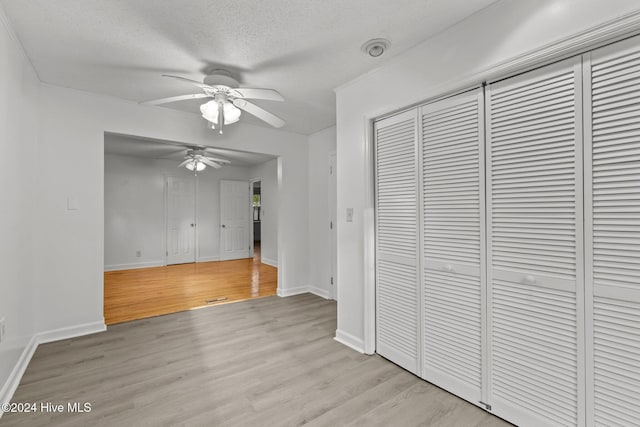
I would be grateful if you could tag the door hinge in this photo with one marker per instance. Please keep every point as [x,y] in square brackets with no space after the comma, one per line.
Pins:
[330,170]
[486,405]
[331,225]
[167,253]
[332,280]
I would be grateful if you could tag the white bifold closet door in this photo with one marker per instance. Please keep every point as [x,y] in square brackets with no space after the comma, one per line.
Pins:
[612,180]
[535,247]
[397,275]
[453,281]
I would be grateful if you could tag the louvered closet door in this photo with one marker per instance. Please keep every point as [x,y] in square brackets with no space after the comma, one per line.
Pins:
[535,260]
[397,292]
[452,137]
[612,217]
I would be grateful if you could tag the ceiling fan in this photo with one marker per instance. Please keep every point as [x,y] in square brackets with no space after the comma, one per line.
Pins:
[197,160]
[227,100]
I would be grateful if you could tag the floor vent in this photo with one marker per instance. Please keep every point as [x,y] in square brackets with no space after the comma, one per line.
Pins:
[215,300]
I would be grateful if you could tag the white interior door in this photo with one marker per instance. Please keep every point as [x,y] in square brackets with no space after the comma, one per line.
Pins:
[181,226]
[333,251]
[235,205]
[612,225]
[397,256]
[535,247]
[453,243]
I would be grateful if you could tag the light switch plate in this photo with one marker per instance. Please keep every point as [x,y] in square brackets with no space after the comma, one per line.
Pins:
[349,214]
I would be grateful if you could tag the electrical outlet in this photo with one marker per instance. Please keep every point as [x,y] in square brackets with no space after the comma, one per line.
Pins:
[138,254]
[2,331]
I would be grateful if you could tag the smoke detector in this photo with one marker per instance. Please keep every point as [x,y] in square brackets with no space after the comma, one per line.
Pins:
[375,47]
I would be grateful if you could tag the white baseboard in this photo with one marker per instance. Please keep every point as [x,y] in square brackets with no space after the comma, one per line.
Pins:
[270,262]
[324,293]
[134,265]
[208,259]
[10,386]
[70,332]
[350,341]
[293,291]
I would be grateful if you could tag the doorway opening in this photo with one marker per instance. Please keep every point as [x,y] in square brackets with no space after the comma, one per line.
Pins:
[175,240]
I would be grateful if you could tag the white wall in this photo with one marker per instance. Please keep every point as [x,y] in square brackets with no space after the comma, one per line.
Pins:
[134,209]
[496,34]
[19,90]
[321,144]
[268,174]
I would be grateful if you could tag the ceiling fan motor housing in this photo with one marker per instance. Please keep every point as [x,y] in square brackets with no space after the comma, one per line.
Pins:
[220,78]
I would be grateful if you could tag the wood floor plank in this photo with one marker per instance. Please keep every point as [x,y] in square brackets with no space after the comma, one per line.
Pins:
[147,292]
[270,361]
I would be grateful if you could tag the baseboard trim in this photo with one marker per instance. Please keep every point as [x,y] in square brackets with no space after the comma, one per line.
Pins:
[133,266]
[208,259]
[350,341]
[71,332]
[270,262]
[292,291]
[11,385]
[13,381]
[324,293]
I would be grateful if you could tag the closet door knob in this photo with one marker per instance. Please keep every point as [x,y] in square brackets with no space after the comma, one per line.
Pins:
[448,267]
[529,280]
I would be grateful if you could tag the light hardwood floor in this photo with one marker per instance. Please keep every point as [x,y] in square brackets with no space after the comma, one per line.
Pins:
[264,362]
[146,292]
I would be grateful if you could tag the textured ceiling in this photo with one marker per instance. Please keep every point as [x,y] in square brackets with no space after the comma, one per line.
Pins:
[302,48]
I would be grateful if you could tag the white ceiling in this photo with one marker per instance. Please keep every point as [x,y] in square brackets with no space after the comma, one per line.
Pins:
[302,48]
[126,145]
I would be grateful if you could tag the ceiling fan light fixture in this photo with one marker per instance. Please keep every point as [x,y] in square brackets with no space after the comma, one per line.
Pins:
[209,111]
[195,165]
[375,47]
[228,100]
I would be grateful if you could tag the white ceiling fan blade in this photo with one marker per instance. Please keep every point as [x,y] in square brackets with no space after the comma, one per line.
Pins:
[215,159]
[175,98]
[195,82]
[185,162]
[253,93]
[260,113]
[210,163]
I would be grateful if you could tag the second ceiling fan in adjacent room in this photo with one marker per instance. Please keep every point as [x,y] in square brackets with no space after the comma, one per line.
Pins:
[197,159]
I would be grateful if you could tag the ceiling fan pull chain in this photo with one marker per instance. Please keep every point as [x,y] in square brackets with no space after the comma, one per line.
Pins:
[220,116]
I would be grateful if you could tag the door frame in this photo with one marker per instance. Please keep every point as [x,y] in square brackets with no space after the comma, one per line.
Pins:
[333,214]
[252,181]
